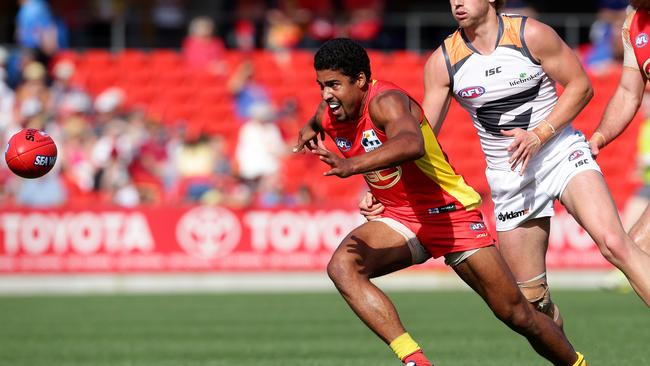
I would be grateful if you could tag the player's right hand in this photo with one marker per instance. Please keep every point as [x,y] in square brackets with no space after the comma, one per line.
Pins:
[593,146]
[370,208]
[307,134]
[596,142]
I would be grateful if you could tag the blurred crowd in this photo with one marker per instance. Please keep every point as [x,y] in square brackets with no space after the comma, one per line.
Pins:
[112,151]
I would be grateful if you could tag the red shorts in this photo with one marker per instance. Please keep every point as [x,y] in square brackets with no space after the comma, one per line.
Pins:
[441,234]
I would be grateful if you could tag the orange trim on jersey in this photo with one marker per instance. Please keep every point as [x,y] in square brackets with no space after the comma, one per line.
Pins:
[511,31]
[434,165]
[457,50]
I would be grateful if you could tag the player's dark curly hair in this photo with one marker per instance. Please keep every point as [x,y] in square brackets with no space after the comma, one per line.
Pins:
[499,4]
[344,55]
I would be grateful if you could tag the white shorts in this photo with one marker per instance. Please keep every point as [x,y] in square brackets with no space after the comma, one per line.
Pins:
[520,198]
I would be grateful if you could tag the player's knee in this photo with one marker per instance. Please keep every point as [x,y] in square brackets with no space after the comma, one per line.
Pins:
[639,236]
[615,248]
[538,294]
[340,268]
[515,314]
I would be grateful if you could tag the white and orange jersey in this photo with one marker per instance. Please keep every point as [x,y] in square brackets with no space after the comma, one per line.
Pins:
[503,90]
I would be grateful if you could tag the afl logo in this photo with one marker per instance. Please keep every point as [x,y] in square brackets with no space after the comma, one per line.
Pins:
[576,154]
[343,144]
[208,232]
[641,40]
[471,92]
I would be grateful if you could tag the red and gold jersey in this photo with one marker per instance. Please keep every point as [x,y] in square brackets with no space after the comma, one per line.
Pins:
[427,186]
[636,40]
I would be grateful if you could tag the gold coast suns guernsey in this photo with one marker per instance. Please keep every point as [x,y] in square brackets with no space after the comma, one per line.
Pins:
[636,40]
[415,189]
[503,90]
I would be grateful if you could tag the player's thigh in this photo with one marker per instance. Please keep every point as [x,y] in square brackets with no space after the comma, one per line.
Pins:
[588,199]
[640,231]
[524,248]
[488,274]
[374,249]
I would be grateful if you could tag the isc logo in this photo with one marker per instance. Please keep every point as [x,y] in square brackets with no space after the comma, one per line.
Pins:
[471,92]
[41,160]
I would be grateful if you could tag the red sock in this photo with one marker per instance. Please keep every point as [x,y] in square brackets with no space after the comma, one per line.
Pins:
[416,359]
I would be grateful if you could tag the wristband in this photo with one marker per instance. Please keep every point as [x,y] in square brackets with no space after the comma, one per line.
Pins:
[544,131]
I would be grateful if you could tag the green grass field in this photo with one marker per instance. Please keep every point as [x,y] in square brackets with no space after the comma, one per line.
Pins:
[455,328]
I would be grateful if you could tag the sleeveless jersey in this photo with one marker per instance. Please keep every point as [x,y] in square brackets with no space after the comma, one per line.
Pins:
[636,40]
[503,90]
[414,189]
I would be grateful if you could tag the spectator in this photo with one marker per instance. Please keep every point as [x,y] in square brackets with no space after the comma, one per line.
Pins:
[317,19]
[65,97]
[7,96]
[201,49]
[246,91]
[195,164]
[43,192]
[259,146]
[33,97]
[36,28]
[365,21]
[605,34]
[283,32]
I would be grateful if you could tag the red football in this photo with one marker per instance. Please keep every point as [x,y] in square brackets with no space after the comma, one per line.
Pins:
[30,153]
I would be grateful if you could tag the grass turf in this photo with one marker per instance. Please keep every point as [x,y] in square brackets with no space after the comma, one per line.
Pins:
[454,328]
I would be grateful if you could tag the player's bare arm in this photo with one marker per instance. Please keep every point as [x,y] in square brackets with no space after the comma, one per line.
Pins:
[436,102]
[562,65]
[391,112]
[312,130]
[620,110]
[436,90]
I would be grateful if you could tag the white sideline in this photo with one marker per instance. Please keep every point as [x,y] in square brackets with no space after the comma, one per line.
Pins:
[253,282]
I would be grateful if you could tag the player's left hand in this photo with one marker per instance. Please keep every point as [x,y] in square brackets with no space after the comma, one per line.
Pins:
[523,148]
[341,167]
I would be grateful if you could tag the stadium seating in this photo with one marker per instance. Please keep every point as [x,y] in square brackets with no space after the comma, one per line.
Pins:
[161,84]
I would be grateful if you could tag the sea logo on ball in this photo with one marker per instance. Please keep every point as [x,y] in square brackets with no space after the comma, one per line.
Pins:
[208,232]
[41,160]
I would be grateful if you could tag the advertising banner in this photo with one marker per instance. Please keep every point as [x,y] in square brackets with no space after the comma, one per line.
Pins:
[209,238]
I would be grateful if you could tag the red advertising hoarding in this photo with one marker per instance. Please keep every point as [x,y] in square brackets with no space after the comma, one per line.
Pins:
[208,238]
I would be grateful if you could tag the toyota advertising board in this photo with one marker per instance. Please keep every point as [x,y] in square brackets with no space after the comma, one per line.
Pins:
[208,238]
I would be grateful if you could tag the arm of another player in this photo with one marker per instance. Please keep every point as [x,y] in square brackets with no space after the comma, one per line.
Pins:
[311,130]
[437,95]
[620,110]
[562,65]
[391,112]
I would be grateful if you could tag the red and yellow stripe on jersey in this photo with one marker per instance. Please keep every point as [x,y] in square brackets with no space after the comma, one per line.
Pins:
[426,195]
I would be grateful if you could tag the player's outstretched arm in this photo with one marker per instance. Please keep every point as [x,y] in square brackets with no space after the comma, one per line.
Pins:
[562,65]
[392,112]
[436,90]
[310,132]
[620,110]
